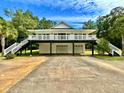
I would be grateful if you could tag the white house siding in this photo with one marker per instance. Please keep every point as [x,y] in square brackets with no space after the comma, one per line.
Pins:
[61,48]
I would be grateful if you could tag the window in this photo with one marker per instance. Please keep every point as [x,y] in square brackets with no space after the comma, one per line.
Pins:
[78,45]
[61,45]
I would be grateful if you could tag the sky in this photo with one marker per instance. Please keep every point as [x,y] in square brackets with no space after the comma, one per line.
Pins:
[73,12]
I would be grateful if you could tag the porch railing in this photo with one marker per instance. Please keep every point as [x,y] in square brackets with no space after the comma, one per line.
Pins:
[62,37]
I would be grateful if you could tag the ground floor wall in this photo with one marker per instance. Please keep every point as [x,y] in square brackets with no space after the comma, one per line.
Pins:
[62,48]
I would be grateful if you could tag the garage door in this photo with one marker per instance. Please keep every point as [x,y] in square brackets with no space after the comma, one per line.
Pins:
[78,49]
[61,49]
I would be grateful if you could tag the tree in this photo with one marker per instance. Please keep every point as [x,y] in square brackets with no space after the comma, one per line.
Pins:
[89,25]
[22,21]
[45,24]
[7,30]
[102,26]
[103,46]
[118,30]
[106,23]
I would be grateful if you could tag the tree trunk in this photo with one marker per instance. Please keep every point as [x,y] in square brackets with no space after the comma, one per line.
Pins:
[123,44]
[3,43]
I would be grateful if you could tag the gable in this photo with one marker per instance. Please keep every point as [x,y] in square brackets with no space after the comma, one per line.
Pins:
[62,25]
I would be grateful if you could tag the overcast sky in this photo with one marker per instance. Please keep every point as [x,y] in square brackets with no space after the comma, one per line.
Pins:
[74,12]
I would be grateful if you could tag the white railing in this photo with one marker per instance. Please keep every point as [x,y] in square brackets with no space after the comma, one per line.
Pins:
[7,50]
[115,49]
[20,45]
[62,37]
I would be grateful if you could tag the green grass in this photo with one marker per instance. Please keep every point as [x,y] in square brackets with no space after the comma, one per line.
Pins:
[112,58]
[89,52]
[28,52]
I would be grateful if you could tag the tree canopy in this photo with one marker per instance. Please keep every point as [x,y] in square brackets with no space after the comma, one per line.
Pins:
[7,29]
[109,26]
[105,23]
[89,25]
[45,24]
[22,21]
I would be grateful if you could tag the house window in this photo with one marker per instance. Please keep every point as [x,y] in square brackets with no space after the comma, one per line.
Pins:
[78,45]
[61,45]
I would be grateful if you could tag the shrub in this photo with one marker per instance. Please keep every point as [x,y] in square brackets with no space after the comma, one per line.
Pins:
[10,56]
[103,46]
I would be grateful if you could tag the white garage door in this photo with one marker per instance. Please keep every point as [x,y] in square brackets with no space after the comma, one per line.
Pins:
[78,49]
[61,49]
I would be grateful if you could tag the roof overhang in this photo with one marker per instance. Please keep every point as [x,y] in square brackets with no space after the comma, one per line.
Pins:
[87,31]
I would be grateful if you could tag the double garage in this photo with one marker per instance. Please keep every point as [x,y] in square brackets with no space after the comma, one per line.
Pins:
[62,48]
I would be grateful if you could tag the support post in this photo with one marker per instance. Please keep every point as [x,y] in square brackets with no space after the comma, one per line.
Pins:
[50,48]
[92,48]
[30,48]
[73,47]
[84,48]
[25,51]
[20,51]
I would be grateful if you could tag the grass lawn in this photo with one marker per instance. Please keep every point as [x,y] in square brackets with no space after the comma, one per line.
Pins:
[112,58]
[89,52]
[28,52]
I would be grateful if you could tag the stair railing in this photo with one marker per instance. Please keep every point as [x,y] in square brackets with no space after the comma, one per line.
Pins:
[20,45]
[7,50]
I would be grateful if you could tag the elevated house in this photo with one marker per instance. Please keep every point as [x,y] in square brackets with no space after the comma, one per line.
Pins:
[60,39]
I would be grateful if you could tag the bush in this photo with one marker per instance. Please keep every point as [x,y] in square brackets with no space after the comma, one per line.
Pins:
[103,46]
[10,56]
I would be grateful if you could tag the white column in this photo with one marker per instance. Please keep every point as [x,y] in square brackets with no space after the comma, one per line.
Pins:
[84,48]
[71,37]
[51,37]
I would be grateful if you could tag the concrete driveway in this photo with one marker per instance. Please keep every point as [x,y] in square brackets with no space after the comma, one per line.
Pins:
[71,74]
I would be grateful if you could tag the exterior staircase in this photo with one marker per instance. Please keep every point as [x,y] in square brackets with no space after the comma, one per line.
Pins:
[15,47]
[113,48]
